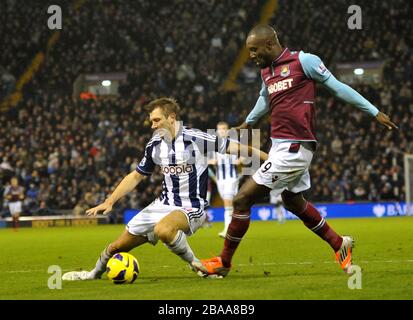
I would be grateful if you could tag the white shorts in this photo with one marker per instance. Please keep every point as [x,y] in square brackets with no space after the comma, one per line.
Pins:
[286,168]
[144,222]
[228,188]
[15,207]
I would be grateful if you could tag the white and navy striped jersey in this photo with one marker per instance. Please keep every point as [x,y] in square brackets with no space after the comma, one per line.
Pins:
[226,169]
[184,165]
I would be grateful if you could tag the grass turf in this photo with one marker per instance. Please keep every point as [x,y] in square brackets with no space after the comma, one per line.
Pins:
[273,262]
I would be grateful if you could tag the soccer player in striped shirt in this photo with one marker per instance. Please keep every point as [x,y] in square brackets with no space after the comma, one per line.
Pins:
[179,210]
[289,94]
[226,177]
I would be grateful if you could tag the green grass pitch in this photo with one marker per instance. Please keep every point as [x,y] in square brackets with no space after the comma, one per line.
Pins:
[273,262]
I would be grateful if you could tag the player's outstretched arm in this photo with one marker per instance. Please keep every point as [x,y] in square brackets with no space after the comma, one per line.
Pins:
[125,186]
[314,69]
[237,148]
[351,96]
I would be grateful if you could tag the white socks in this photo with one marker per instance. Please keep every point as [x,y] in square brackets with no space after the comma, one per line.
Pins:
[100,267]
[280,214]
[227,217]
[181,248]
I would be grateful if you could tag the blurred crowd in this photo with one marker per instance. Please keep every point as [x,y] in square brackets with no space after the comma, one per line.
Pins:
[70,153]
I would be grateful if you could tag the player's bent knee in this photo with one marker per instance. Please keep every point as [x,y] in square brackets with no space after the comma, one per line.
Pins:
[294,203]
[121,245]
[242,202]
[164,233]
[114,248]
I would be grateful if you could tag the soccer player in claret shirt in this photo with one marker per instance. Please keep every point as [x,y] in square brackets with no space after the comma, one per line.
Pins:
[288,93]
[14,194]
[179,210]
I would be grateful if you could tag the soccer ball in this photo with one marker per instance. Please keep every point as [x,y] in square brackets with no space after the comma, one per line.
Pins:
[122,268]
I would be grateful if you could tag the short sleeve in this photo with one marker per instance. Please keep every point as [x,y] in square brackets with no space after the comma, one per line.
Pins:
[147,165]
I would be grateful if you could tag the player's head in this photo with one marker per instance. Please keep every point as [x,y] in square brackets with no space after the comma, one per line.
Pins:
[222,129]
[263,45]
[14,181]
[163,114]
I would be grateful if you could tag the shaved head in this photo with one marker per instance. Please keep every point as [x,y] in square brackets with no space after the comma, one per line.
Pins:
[263,45]
[264,33]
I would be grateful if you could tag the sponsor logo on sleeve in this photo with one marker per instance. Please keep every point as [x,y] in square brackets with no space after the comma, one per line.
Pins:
[322,68]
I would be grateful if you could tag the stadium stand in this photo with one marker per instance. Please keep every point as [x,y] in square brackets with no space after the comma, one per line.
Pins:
[69,152]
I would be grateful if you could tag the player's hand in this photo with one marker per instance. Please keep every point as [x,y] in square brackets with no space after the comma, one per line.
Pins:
[242,126]
[106,207]
[385,120]
[239,129]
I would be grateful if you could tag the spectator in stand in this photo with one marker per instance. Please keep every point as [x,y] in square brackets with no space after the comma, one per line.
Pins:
[65,146]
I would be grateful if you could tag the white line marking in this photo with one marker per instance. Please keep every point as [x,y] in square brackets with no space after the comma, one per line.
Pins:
[242,265]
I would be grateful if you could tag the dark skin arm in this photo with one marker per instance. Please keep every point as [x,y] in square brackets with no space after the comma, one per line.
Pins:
[242,126]
[381,117]
[385,121]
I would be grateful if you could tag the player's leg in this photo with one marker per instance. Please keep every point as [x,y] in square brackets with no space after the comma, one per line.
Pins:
[275,199]
[280,213]
[15,211]
[228,210]
[251,190]
[124,243]
[172,230]
[207,223]
[16,217]
[313,220]
[243,201]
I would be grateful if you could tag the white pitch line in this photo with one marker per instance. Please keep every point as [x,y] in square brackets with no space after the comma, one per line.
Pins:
[244,265]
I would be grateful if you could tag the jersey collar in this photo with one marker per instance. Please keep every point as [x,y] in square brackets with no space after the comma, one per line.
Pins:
[280,56]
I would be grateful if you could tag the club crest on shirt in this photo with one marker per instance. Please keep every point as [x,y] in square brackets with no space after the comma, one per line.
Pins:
[285,70]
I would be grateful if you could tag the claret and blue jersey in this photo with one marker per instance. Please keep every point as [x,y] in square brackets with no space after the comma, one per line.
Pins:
[288,93]
[184,165]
